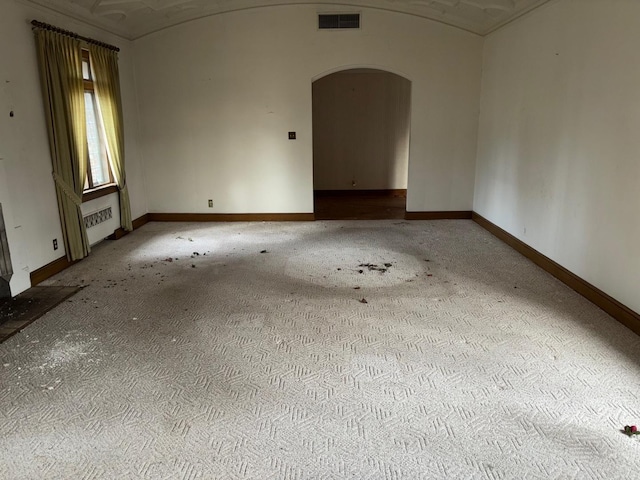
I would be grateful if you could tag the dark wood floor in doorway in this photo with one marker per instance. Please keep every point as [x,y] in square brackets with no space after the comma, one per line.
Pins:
[359,205]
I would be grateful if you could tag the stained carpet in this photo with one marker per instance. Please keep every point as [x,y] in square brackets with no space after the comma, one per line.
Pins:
[245,351]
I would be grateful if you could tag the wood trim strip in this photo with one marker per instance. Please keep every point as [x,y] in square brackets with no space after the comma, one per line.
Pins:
[136,223]
[50,269]
[140,221]
[361,193]
[99,192]
[231,217]
[453,215]
[117,234]
[613,307]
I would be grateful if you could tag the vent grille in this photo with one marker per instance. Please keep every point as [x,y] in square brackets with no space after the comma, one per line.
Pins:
[98,217]
[338,21]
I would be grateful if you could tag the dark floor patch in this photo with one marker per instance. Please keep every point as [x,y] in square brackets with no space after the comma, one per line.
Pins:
[365,207]
[18,312]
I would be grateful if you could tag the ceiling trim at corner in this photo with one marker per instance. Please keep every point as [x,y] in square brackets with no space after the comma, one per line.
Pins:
[79,17]
[518,15]
[473,16]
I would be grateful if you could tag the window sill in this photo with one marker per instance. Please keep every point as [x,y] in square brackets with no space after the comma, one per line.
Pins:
[98,192]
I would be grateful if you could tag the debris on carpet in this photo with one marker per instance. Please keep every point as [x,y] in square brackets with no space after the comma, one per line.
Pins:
[630,430]
[375,268]
[364,300]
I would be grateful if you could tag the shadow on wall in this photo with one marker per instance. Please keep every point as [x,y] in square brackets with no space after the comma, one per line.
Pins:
[6,269]
[361,125]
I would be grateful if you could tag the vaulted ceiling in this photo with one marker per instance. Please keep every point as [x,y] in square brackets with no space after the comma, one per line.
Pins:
[135,18]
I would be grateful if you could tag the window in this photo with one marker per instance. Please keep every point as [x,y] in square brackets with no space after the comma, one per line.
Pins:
[98,171]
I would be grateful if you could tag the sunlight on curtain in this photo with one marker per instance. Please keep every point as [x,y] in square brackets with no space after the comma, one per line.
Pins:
[104,63]
[60,65]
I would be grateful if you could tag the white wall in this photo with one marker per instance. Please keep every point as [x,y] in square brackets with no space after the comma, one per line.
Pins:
[558,153]
[361,127]
[218,96]
[26,186]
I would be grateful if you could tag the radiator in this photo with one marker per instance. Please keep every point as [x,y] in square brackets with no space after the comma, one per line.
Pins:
[96,218]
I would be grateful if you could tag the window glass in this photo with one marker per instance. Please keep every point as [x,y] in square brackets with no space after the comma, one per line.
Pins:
[86,72]
[98,163]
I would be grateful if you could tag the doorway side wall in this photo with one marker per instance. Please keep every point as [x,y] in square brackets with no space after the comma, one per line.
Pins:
[361,126]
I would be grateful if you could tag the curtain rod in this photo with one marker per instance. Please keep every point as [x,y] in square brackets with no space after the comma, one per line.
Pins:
[46,26]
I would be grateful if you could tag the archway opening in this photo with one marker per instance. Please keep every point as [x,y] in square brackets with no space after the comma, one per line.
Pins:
[361,125]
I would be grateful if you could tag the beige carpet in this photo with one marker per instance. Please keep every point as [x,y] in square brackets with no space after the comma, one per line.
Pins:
[467,361]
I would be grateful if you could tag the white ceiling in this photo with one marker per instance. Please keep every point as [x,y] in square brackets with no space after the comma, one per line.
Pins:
[135,18]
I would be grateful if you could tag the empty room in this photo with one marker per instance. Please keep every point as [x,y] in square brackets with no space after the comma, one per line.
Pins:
[371,239]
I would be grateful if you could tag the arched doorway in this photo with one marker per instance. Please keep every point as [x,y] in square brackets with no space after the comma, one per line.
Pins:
[361,124]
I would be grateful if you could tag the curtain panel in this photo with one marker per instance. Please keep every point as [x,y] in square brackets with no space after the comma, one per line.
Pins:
[106,82]
[60,66]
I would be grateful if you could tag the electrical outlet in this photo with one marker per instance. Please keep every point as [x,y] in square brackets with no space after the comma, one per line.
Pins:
[55,243]
[292,135]
[210,203]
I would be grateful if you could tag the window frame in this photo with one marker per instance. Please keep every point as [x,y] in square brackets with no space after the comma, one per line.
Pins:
[95,191]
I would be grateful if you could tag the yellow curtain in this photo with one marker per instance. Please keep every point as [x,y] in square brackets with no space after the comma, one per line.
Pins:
[106,82]
[60,64]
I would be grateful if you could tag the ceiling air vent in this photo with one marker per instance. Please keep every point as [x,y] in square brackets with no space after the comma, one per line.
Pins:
[338,21]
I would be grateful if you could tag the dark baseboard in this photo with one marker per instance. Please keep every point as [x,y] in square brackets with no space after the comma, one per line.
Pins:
[137,223]
[49,270]
[361,193]
[617,310]
[231,217]
[140,221]
[117,234]
[455,215]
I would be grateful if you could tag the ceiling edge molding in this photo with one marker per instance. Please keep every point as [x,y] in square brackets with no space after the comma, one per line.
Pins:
[123,33]
[519,15]
[355,7]
[78,18]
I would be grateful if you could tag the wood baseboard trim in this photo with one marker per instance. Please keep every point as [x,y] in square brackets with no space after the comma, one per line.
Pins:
[613,307]
[361,193]
[455,215]
[231,217]
[117,234]
[140,221]
[49,270]
[137,223]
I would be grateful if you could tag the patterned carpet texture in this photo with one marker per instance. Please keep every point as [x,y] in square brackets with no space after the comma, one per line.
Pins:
[324,350]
